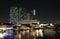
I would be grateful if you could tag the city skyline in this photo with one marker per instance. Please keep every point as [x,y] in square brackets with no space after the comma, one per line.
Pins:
[46,11]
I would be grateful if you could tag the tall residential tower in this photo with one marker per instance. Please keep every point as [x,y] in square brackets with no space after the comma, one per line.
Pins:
[17,14]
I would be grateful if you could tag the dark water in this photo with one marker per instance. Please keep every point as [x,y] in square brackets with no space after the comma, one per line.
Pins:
[57,36]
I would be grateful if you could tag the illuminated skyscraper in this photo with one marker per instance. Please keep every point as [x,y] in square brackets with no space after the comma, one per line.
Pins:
[22,14]
[34,12]
[13,14]
[17,14]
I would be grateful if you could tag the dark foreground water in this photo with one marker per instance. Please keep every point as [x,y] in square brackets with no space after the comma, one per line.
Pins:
[56,36]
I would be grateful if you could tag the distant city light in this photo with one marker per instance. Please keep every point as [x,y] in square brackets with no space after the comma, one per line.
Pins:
[41,32]
[9,28]
[51,25]
[36,33]
[5,34]
[23,32]
[1,35]
[34,12]
[34,37]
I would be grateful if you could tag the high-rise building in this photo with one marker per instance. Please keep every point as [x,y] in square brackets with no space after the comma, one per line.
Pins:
[17,14]
[13,14]
[22,14]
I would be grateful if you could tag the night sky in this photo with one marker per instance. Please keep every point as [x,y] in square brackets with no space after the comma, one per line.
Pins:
[46,10]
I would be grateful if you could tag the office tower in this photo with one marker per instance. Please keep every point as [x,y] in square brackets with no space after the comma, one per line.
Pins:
[17,14]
